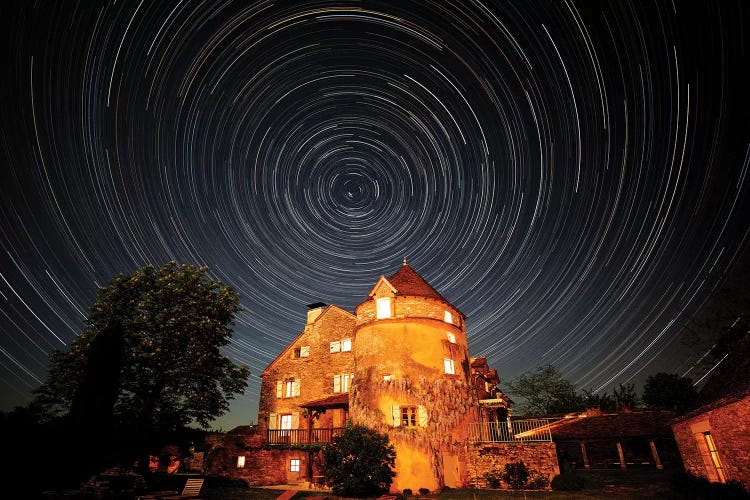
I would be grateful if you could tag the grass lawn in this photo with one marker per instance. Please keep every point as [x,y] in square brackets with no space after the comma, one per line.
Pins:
[598,484]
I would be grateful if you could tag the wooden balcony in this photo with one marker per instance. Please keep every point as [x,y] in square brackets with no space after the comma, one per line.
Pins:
[292,437]
[536,429]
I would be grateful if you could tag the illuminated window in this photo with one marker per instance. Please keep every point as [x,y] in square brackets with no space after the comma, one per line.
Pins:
[409,416]
[448,317]
[294,465]
[336,346]
[291,388]
[285,421]
[341,382]
[714,454]
[288,388]
[449,366]
[386,377]
[384,308]
[346,345]
[451,337]
[241,461]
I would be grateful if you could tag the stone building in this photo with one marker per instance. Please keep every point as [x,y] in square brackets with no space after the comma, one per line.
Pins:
[714,439]
[625,440]
[399,365]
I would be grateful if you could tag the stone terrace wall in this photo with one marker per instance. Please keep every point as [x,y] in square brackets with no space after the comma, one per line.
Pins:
[540,458]
[730,428]
[263,467]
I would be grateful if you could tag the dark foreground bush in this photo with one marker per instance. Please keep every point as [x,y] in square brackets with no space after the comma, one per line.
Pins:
[690,487]
[516,474]
[568,481]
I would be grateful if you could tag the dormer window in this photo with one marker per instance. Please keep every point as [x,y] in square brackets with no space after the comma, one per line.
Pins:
[383,307]
[448,317]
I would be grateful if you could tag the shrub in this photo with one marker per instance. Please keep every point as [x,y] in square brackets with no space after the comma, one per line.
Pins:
[424,491]
[539,482]
[493,479]
[359,462]
[407,492]
[568,481]
[688,486]
[516,474]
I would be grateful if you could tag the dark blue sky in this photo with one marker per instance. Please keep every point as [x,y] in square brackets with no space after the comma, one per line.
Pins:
[571,175]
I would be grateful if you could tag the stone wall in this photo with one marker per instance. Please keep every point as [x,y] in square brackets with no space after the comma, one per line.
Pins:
[540,458]
[314,372]
[411,307]
[262,467]
[729,426]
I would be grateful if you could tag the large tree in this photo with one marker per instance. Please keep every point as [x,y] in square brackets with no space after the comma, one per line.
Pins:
[149,358]
[669,391]
[545,391]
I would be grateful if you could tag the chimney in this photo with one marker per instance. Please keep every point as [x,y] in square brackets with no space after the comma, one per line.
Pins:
[314,310]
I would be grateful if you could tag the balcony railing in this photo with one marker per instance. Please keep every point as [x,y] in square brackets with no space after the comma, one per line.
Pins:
[518,431]
[288,437]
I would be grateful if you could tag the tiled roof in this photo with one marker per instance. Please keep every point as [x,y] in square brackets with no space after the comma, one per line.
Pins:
[610,426]
[408,282]
[336,401]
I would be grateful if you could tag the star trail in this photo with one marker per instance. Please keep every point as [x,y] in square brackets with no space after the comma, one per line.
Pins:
[572,175]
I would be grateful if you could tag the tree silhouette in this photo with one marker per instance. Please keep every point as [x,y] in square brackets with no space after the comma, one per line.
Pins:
[149,360]
[669,391]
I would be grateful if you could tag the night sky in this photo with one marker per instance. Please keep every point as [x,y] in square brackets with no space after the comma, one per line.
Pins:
[573,176]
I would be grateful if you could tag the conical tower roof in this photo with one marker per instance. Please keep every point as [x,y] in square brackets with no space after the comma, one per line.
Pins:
[408,282]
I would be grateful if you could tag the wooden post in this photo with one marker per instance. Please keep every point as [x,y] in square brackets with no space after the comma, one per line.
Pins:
[623,465]
[655,454]
[586,464]
[309,468]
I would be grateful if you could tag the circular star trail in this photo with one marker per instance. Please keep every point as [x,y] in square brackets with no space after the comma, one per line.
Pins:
[571,175]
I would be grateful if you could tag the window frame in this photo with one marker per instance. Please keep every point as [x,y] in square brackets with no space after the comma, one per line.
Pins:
[346,345]
[409,416]
[449,366]
[335,346]
[285,423]
[380,308]
[713,454]
[295,462]
[343,381]
[241,461]
[289,388]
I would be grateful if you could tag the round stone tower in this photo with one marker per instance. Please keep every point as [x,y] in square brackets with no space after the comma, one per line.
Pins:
[411,378]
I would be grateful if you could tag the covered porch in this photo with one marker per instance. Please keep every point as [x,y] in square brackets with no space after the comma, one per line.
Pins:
[336,411]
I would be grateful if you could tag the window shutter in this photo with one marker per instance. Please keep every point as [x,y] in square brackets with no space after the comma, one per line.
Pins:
[279,388]
[337,383]
[423,416]
[395,415]
[297,384]
[295,420]
[272,420]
